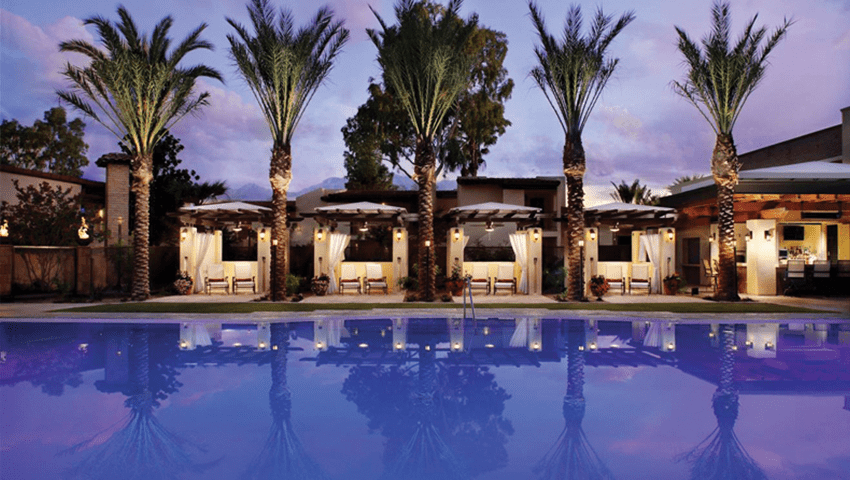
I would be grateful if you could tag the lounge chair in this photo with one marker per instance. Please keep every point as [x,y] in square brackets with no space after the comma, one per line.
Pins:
[375,278]
[480,277]
[641,277]
[243,278]
[215,279]
[348,278]
[615,277]
[710,273]
[821,269]
[505,279]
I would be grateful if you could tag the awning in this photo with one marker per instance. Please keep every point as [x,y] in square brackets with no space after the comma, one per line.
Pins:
[359,211]
[225,213]
[629,215]
[493,211]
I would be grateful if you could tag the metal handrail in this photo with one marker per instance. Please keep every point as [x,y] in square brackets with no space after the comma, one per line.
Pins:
[467,287]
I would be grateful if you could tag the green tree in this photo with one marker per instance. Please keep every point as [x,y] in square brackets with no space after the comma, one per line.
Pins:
[719,79]
[425,67]
[284,68]
[134,86]
[54,145]
[172,187]
[572,73]
[634,193]
[43,215]
[472,124]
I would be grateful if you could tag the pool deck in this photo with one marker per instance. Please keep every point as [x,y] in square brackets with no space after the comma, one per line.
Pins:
[839,308]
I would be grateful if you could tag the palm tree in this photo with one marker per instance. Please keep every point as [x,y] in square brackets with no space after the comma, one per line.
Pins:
[718,81]
[572,74]
[685,179]
[137,91]
[426,67]
[284,68]
[634,193]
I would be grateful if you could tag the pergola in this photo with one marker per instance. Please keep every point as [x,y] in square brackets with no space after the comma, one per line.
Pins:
[526,244]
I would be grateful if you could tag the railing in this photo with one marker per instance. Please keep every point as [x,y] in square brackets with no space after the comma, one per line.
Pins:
[467,288]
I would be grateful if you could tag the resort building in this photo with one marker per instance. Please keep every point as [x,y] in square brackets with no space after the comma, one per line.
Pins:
[792,215]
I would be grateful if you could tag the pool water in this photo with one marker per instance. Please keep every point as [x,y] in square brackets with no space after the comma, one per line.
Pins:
[425,398]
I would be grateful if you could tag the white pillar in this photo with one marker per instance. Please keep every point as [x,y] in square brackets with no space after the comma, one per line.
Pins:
[668,251]
[399,259]
[454,241]
[187,249]
[591,255]
[534,255]
[762,257]
[320,250]
[264,258]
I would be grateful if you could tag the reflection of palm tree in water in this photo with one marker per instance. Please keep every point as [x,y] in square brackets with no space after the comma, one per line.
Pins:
[426,455]
[572,457]
[143,449]
[721,455]
[283,454]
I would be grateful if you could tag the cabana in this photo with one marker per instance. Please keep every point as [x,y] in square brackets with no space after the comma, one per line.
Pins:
[201,245]
[483,218]
[330,242]
[619,236]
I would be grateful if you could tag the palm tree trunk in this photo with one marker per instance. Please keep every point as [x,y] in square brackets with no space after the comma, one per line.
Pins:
[142,176]
[280,398]
[424,172]
[574,167]
[280,174]
[724,167]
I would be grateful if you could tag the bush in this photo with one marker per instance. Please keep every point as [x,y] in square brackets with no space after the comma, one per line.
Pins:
[293,284]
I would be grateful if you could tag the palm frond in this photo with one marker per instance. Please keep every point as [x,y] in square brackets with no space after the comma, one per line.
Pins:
[720,76]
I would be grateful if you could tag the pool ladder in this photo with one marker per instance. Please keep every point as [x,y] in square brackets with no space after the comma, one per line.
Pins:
[467,289]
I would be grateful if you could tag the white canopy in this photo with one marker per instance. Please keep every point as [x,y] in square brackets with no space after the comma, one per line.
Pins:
[494,208]
[361,207]
[228,207]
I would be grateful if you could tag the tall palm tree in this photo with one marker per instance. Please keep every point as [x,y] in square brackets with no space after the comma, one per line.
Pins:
[137,90]
[634,193]
[284,68]
[572,73]
[719,79]
[426,67]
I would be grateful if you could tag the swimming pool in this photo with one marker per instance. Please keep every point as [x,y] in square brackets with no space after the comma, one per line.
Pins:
[424,398]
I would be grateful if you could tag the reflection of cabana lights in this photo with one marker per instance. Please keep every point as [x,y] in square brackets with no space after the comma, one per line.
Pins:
[671,347]
[456,346]
[593,345]
[768,346]
[535,346]
[749,344]
[399,345]
[486,330]
[488,227]
[489,345]
[319,345]
[363,345]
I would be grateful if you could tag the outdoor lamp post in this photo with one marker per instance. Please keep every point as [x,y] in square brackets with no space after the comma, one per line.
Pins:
[581,265]
[274,265]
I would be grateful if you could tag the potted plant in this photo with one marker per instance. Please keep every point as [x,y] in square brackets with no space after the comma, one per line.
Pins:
[454,283]
[320,284]
[598,286]
[672,283]
[183,283]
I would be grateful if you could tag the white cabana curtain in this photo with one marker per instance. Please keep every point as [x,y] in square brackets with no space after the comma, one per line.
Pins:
[334,330]
[650,246]
[336,253]
[203,241]
[520,336]
[200,335]
[519,242]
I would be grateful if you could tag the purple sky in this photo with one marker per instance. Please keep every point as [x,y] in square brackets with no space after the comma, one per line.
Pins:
[639,129]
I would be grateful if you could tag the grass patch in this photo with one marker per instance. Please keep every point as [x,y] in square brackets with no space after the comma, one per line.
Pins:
[252,307]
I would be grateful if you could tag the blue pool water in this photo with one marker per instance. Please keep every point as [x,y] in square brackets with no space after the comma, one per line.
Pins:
[425,398]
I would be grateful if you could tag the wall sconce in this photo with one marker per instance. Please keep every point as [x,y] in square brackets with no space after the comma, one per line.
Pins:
[749,235]
[263,235]
[616,227]
[83,231]
[320,234]
[274,242]
[581,243]
[100,213]
[592,235]
[712,238]
[670,234]
[398,235]
[183,234]
[488,227]
[768,234]
[4,229]
[536,235]
[457,234]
